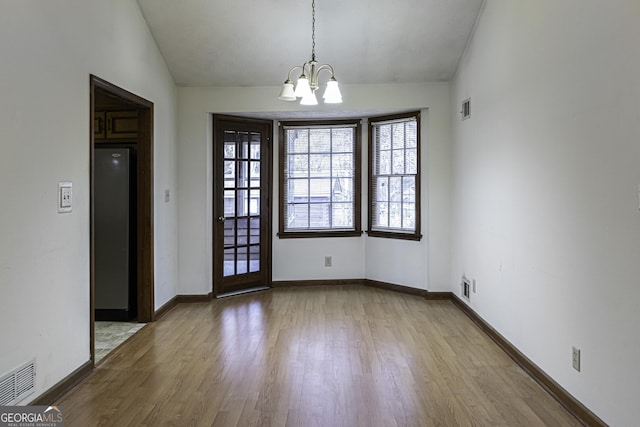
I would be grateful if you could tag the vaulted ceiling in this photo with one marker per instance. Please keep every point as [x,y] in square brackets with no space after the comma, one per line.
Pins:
[256,42]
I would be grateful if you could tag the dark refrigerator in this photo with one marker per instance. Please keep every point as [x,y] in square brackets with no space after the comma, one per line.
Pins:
[114,233]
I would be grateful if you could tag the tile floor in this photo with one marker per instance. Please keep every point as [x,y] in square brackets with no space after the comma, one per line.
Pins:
[109,335]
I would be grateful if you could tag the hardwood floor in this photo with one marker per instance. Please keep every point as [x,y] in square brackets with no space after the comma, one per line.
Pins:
[318,356]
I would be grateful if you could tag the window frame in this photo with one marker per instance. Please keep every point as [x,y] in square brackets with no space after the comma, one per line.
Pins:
[389,232]
[357,180]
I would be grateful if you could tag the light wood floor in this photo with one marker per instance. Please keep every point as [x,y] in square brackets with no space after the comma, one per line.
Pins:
[323,356]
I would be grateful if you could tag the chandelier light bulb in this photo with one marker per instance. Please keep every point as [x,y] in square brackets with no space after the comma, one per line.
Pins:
[287,93]
[309,99]
[332,93]
[302,88]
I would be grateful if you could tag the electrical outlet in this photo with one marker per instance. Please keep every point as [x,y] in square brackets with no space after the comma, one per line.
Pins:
[576,359]
[327,261]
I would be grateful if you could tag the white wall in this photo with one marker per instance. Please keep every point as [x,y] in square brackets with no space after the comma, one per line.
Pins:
[425,264]
[48,51]
[545,199]
[302,259]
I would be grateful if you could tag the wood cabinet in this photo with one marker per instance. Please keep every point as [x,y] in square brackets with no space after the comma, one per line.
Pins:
[115,125]
[99,125]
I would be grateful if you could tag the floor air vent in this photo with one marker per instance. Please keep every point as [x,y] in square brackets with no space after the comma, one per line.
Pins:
[17,384]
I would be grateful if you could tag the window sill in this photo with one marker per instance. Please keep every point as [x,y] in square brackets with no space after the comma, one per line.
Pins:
[316,234]
[392,235]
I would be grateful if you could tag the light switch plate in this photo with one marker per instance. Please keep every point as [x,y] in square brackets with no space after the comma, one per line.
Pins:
[65,197]
[575,359]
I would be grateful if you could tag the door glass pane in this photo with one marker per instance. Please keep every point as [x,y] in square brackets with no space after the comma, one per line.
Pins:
[255,146]
[244,145]
[255,174]
[229,173]
[229,203]
[254,258]
[242,202]
[255,230]
[229,262]
[243,174]
[229,233]
[242,260]
[242,231]
[254,202]
[229,145]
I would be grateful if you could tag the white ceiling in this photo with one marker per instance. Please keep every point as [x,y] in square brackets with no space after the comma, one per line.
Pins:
[256,42]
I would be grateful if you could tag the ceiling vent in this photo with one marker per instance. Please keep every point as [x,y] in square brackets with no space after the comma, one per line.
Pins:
[466,109]
[16,385]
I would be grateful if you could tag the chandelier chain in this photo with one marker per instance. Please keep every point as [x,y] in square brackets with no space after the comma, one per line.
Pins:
[313,30]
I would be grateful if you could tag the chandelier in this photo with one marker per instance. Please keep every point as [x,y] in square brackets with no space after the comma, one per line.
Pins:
[306,86]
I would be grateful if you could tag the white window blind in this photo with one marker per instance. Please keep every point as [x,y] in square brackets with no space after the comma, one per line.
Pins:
[394,176]
[319,178]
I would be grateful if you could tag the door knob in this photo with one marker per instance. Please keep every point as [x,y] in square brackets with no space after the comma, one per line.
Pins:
[221,219]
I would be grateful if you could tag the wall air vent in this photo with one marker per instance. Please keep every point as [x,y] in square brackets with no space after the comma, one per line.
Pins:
[17,384]
[466,109]
[466,286]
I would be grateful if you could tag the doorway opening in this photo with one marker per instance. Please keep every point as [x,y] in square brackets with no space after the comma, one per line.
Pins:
[121,158]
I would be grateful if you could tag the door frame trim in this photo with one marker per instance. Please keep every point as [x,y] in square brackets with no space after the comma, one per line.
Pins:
[268,245]
[145,229]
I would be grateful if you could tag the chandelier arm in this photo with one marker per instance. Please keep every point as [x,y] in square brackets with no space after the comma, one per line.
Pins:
[327,67]
[291,70]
